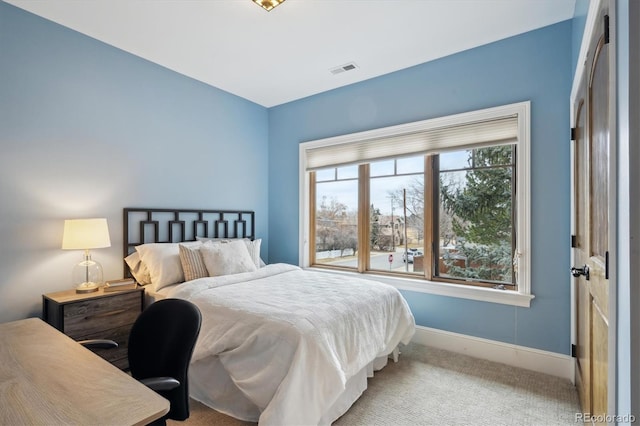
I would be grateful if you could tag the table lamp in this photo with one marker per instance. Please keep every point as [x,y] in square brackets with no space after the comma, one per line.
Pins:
[86,234]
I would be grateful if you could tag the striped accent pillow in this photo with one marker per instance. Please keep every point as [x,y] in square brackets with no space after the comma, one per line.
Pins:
[192,263]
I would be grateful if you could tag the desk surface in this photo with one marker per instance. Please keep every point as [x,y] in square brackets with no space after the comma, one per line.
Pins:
[47,378]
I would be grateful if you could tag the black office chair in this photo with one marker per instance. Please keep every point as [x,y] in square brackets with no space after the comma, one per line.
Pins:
[160,347]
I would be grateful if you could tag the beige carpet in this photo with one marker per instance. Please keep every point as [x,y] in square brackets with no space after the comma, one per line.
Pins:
[434,387]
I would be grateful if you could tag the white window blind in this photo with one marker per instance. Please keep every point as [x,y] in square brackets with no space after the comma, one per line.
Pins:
[494,131]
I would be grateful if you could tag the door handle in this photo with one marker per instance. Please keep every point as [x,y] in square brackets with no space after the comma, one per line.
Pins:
[576,272]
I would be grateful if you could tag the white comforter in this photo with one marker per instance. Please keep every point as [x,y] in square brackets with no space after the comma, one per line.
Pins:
[290,339]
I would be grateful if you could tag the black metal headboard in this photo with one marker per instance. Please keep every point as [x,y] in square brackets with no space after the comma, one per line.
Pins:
[148,225]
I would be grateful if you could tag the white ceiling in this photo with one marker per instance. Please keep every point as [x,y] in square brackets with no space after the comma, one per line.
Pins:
[275,57]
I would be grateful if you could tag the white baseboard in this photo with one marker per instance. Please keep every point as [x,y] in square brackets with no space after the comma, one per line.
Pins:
[518,356]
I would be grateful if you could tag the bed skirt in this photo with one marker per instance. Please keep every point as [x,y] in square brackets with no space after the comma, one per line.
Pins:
[211,385]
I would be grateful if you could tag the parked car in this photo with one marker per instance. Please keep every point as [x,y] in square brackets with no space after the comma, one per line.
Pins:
[408,256]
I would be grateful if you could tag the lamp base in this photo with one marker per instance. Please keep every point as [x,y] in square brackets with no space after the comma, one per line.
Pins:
[87,275]
[87,287]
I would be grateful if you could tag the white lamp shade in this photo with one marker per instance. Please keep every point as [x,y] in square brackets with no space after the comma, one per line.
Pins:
[82,234]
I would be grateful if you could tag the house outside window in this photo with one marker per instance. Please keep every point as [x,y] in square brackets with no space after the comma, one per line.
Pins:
[440,206]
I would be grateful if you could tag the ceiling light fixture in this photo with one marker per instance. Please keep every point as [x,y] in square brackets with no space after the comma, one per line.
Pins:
[268,4]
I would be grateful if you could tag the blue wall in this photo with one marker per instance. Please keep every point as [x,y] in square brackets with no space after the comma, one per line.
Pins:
[535,66]
[87,129]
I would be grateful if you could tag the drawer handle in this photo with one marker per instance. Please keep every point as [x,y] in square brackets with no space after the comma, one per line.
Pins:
[107,314]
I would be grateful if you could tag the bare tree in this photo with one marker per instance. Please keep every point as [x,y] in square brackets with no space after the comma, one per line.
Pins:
[415,206]
[336,227]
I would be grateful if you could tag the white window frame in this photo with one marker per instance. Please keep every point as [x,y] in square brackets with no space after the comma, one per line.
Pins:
[520,297]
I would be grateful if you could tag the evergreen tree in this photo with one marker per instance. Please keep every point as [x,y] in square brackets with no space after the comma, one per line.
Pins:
[481,213]
[374,214]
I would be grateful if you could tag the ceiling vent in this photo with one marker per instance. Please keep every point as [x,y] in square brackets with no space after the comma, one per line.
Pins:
[343,68]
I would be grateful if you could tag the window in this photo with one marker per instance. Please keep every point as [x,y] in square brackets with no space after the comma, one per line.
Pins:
[439,205]
[474,218]
[336,220]
[396,226]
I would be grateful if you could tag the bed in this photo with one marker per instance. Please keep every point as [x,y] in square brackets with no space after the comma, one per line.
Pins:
[279,345]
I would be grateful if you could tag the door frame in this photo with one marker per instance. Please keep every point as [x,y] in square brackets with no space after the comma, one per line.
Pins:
[628,206]
[592,16]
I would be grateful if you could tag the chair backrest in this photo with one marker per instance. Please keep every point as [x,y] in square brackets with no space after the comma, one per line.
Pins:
[161,344]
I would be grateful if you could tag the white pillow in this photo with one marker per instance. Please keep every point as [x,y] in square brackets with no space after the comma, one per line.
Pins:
[252,246]
[254,251]
[228,258]
[138,269]
[163,262]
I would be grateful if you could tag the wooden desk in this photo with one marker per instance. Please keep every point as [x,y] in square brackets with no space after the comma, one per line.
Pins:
[47,378]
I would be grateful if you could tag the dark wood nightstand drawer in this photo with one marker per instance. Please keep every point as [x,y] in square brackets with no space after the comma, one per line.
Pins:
[89,317]
[96,315]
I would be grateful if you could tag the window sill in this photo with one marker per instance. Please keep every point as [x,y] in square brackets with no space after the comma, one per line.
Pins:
[483,294]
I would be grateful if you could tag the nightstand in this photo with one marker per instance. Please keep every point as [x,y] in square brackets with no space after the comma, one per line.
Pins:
[96,315]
